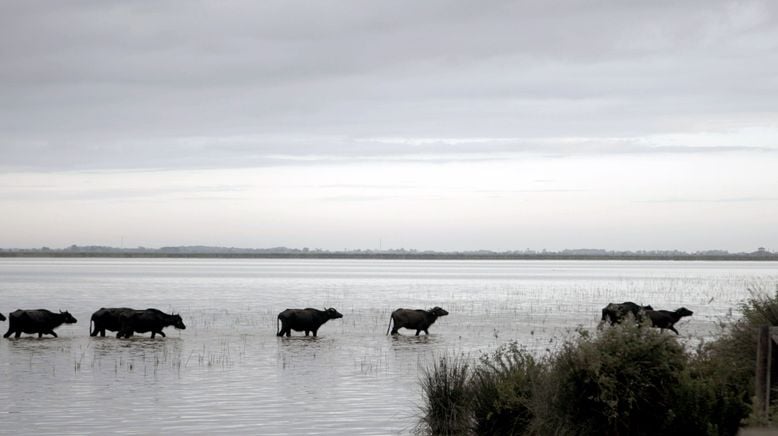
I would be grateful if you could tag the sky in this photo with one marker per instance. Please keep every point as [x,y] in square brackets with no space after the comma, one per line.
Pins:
[435,125]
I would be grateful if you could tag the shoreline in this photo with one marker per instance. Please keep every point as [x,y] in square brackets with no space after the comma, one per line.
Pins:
[390,256]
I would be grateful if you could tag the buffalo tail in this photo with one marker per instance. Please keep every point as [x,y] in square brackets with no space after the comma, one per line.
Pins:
[390,325]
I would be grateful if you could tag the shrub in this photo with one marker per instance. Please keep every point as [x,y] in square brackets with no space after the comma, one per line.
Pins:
[728,363]
[706,405]
[502,391]
[622,381]
[446,406]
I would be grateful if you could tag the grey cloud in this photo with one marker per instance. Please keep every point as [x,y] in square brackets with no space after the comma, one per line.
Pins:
[213,84]
[712,200]
[47,193]
[204,153]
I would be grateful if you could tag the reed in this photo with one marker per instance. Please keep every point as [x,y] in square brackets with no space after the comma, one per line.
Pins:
[446,409]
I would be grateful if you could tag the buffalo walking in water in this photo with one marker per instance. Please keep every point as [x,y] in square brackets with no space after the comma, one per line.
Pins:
[40,321]
[665,319]
[414,319]
[304,320]
[108,319]
[149,320]
[615,313]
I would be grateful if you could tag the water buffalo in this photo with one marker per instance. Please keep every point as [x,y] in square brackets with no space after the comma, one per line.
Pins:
[304,320]
[41,321]
[665,319]
[615,313]
[149,320]
[414,319]
[2,317]
[107,319]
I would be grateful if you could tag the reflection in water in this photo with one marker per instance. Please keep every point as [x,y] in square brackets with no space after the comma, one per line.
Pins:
[229,373]
[412,341]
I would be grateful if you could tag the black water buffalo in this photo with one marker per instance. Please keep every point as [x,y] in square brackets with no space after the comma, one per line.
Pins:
[40,321]
[304,320]
[414,319]
[149,320]
[665,319]
[2,317]
[107,319]
[615,313]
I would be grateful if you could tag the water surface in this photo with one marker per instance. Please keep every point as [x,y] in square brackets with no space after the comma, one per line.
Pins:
[229,373]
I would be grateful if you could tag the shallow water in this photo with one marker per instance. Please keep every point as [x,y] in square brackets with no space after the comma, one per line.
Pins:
[229,373]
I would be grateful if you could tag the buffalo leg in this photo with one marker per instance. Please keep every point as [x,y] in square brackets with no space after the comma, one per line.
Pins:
[18,333]
[153,333]
[102,333]
[162,334]
[8,333]
[673,329]
[394,331]
[314,333]
[306,332]
[51,332]
[288,332]
[426,332]
[40,335]
[417,332]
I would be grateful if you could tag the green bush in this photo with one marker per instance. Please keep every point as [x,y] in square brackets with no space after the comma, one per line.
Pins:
[705,405]
[502,391]
[447,402]
[623,380]
[728,364]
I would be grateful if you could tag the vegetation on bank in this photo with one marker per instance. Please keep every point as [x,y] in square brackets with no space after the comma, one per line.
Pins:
[201,251]
[623,380]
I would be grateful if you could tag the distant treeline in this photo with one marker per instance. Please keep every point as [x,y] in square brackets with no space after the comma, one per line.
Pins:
[293,253]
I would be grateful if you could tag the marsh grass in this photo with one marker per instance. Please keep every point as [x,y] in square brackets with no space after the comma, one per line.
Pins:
[627,379]
[502,390]
[446,409]
[622,380]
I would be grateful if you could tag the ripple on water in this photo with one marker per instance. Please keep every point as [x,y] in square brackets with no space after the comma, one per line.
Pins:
[229,373]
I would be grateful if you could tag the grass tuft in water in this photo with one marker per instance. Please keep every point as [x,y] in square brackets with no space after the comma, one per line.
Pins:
[446,408]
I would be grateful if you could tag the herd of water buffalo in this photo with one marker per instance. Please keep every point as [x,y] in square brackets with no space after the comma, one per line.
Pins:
[663,319]
[126,321]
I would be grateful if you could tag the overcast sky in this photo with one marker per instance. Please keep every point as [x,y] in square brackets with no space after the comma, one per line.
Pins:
[437,125]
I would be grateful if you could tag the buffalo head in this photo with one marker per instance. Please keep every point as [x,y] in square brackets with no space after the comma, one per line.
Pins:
[684,312]
[67,318]
[178,322]
[333,314]
[437,311]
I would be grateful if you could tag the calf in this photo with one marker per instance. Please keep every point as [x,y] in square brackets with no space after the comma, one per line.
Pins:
[616,313]
[664,319]
[40,321]
[414,319]
[304,320]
